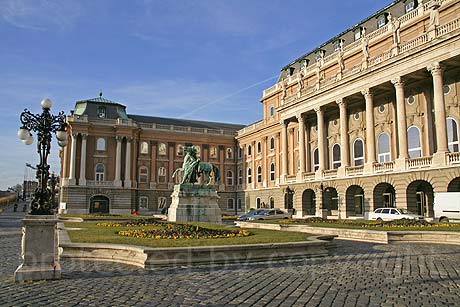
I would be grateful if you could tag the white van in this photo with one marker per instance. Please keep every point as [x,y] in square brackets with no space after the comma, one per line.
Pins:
[447,206]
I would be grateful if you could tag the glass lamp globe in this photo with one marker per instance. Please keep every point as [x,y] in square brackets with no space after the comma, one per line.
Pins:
[23,133]
[29,140]
[61,135]
[46,103]
[62,143]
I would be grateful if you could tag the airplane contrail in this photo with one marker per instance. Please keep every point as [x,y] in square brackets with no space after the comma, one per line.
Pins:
[227,96]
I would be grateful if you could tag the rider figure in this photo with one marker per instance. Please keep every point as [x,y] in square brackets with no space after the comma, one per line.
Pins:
[190,166]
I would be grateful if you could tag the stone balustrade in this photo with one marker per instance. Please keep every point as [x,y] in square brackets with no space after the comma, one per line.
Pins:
[418,162]
[94,183]
[330,173]
[354,170]
[453,158]
[383,167]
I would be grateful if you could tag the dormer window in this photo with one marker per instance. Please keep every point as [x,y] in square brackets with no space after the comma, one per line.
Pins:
[290,71]
[382,20]
[410,6]
[358,33]
[338,45]
[101,112]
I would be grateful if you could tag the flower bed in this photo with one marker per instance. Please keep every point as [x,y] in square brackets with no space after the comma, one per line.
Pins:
[135,223]
[403,223]
[183,231]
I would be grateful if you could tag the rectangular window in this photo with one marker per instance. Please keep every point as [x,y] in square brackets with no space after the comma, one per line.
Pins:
[143,202]
[410,6]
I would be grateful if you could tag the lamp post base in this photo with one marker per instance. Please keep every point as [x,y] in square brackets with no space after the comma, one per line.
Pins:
[39,249]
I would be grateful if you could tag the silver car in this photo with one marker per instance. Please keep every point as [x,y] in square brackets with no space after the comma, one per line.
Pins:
[270,214]
[246,216]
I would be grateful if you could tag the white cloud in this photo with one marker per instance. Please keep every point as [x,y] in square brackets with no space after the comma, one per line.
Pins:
[40,15]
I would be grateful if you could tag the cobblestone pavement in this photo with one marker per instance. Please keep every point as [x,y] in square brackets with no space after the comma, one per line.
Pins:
[356,274]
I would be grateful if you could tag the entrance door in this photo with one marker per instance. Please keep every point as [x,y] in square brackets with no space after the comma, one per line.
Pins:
[359,204]
[99,204]
[388,200]
[421,203]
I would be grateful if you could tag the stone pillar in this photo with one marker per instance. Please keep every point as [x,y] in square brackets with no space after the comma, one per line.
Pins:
[284,149]
[370,133]
[321,139]
[307,149]
[266,167]
[82,179]
[401,116]
[223,171]
[302,169]
[153,164]
[128,163]
[439,109]
[117,181]
[73,158]
[253,167]
[39,249]
[344,143]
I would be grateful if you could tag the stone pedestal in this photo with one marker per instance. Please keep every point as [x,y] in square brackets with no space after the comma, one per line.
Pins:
[39,249]
[194,203]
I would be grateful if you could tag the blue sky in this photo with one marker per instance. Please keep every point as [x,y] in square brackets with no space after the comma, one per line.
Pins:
[158,57]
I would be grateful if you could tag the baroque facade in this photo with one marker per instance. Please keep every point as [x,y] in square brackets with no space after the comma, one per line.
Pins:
[368,119]
[117,163]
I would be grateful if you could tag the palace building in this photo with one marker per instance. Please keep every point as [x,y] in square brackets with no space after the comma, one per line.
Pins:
[117,162]
[368,119]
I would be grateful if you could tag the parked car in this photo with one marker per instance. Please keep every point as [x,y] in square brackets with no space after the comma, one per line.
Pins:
[390,214]
[270,214]
[447,206]
[246,216]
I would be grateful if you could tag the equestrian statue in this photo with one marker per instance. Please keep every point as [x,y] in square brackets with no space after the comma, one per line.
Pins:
[192,168]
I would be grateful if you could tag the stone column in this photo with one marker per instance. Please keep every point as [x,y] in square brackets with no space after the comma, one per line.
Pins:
[223,171]
[82,179]
[344,143]
[117,181]
[153,164]
[302,170]
[284,149]
[307,148]
[370,133]
[128,163]
[73,158]
[401,116]
[439,109]
[253,167]
[321,139]
[266,167]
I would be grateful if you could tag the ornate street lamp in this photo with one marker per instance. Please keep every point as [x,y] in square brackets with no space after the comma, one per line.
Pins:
[44,125]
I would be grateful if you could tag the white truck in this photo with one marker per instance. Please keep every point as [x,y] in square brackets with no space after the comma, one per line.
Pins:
[447,206]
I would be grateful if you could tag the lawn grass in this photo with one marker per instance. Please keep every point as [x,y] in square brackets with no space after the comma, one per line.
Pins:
[92,233]
[368,225]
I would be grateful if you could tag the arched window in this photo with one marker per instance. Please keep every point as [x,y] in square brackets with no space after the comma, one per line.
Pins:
[100,171]
[259,147]
[384,154]
[230,204]
[229,153]
[271,203]
[249,150]
[161,174]
[229,178]
[240,176]
[249,175]
[452,135]
[144,148]
[272,172]
[315,159]
[258,203]
[413,142]
[143,174]
[259,174]
[336,156]
[240,152]
[180,150]
[162,149]
[358,152]
[100,145]
[272,143]
[272,110]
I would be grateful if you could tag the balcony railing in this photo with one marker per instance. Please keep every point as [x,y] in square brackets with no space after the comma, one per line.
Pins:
[290,178]
[94,183]
[383,167]
[419,162]
[354,170]
[330,173]
[453,158]
[309,176]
